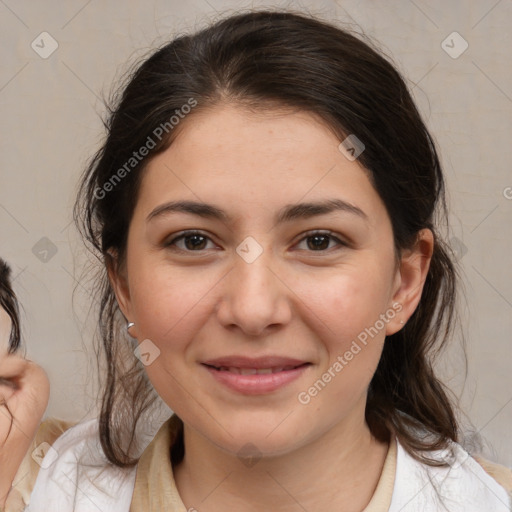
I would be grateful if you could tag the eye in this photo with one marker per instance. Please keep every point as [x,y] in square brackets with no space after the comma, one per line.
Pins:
[193,241]
[319,241]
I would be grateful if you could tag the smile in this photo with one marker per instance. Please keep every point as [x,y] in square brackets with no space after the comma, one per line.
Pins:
[254,371]
[255,381]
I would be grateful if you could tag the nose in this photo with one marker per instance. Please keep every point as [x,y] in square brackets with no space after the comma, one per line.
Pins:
[254,297]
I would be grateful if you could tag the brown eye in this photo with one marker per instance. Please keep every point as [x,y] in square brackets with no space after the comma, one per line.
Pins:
[194,242]
[320,242]
[190,242]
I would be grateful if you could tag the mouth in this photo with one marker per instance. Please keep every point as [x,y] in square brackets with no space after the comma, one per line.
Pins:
[255,376]
[255,371]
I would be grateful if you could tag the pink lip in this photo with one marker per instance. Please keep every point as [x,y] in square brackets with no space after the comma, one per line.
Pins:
[255,384]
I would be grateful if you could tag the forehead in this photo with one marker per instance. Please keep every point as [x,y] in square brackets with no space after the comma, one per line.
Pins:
[277,137]
[257,161]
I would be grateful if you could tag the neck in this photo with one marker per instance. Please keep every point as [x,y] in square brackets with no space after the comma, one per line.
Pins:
[340,470]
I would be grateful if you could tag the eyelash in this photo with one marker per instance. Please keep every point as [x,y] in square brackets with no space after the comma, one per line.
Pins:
[309,234]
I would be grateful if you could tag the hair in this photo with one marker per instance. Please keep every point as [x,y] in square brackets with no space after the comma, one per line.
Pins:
[9,302]
[264,60]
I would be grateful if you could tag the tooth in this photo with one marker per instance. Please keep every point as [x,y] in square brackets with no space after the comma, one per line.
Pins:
[247,371]
[254,371]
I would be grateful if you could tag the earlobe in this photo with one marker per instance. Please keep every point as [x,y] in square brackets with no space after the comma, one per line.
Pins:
[413,271]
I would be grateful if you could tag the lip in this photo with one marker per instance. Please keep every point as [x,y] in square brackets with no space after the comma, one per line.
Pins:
[255,384]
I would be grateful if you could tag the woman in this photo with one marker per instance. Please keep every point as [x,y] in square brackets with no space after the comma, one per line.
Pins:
[264,205]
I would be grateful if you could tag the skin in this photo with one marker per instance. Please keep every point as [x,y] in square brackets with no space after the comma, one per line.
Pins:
[294,300]
[24,389]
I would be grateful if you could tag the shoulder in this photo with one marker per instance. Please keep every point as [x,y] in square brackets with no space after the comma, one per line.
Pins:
[461,484]
[501,474]
[73,470]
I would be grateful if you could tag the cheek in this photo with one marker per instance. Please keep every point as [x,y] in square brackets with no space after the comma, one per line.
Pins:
[354,341]
[348,308]
[348,301]
[170,308]
[169,303]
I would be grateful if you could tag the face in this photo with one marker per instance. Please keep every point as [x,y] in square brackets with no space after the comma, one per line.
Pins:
[261,283]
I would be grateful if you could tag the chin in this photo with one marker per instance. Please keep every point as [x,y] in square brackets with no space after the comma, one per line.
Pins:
[253,442]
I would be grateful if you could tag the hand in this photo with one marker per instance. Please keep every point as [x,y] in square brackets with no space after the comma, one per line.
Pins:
[24,393]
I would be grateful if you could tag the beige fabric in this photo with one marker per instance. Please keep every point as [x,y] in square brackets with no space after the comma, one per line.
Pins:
[501,474]
[155,488]
[381,499]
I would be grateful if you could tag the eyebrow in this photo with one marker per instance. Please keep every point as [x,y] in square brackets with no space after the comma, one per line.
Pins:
[286,214]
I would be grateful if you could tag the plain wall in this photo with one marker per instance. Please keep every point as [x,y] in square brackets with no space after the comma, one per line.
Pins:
[50,112]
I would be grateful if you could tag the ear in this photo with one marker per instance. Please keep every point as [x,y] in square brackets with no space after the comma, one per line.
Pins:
[119,282]
[410,279]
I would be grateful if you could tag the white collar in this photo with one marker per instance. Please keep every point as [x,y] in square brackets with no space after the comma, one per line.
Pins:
[65,485]
[463,486]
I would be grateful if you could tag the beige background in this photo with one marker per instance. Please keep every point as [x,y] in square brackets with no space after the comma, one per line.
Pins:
[50,126]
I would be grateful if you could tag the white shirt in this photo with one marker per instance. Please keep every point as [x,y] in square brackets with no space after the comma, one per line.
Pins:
[93,485]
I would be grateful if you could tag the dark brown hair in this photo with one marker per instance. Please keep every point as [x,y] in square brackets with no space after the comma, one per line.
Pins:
[263,60]
[10,304]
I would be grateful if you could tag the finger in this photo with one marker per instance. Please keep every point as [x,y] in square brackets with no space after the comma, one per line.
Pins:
[7,382]
[12,366]
[19,376]
[7,389]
